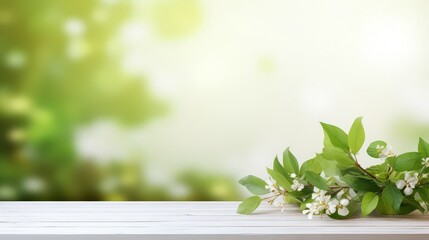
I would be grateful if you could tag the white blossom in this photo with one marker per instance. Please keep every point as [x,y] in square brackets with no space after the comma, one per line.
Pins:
[425,162]
[318,194]
[342,209]
[341,206]
[409,183]
[312,209]
[385,151]
[320,203]
[346,193]
[280,203]
[317,207]
[297,185]
[323,202]
[271,185]
[332,206]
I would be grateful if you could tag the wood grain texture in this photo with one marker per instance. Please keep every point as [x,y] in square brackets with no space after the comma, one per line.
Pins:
[190,220]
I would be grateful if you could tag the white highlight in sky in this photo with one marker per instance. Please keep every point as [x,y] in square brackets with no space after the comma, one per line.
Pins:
[388,43]
[317,100]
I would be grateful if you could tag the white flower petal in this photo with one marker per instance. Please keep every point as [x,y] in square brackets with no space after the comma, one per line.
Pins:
[326,198]
[331,210]
[408,191]
[333,202]
[413,183]
[340,194]
[407,176]
[352,193]
[344,202]
[343,211]
[400,184]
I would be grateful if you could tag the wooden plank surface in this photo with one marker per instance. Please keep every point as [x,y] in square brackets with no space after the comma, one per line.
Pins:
[191,220]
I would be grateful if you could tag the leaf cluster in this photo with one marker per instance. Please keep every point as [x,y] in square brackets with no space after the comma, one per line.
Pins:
[397,185]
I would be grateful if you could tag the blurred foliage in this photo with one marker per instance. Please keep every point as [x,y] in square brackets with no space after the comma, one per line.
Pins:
[408,128]
[206,187]
[60,69]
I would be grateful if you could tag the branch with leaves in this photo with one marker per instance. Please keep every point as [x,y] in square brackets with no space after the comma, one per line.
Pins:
[334,183]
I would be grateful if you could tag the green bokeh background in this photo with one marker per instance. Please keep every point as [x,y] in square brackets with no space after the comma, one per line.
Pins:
[60,68]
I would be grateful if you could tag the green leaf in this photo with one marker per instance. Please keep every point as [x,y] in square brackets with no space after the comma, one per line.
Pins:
[303,206]
[372,149]
[280,179]
[424,194]
[406,162]
[338,155]
[423,148]
[277,166]
[249,205]
[311,165]
[254,184]
[336,136]
[290,163]
[316,180]
[381,170]
[329,167]
[326,140]
[369,203]
[384,208]
[305,192]
[392,196]
[361,183]
[356,136]
[409,204]
[290,199]
[356,172]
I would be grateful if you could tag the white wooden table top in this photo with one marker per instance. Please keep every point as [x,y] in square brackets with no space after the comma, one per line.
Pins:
[190,220]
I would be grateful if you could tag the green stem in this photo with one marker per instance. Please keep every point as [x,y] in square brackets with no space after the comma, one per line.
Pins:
[363,169]
[389,172]
[274,197]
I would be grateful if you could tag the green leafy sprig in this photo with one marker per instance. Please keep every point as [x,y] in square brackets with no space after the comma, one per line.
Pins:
[334,182]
